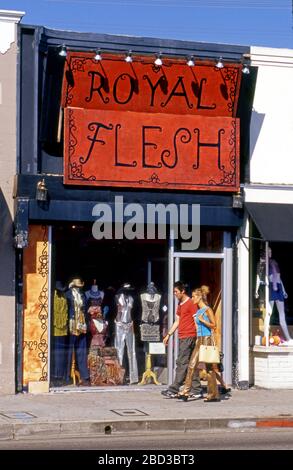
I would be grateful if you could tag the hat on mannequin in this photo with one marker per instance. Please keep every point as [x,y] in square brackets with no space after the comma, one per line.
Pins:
[76,282]
[126,287]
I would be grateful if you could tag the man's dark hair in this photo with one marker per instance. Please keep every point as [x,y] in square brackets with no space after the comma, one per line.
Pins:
[180,286]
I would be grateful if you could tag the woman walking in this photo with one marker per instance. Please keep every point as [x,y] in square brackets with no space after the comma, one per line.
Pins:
[205,324]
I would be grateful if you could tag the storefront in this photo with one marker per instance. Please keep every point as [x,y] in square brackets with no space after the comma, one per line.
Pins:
[269,204]
[117,141]
[271,291]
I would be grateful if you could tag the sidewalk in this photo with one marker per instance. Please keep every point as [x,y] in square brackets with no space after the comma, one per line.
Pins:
[136,409]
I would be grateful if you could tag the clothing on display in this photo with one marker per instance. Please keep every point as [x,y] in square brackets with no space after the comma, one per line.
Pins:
[261,279]
[277,293]
[95,293]
[150,303]
[60,334]
[77,328]
[104,366]
[98,326]
[124,330]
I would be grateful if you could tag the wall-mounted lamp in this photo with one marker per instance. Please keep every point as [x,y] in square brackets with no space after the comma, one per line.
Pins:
[41,191]
[219,63]
[245,69]
[158,60]
[98,55]
[63,51]
[238,201]
[128,57]
[190,61]
[20,240]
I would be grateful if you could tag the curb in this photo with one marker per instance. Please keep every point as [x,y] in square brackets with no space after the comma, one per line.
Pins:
[19,431]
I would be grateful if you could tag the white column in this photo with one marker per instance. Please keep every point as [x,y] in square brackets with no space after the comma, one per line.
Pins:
[243,303]
[227,286]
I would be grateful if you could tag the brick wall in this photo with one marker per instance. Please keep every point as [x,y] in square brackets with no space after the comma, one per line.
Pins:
[273,367]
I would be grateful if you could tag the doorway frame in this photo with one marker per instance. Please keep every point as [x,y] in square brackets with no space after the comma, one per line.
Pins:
[226,288]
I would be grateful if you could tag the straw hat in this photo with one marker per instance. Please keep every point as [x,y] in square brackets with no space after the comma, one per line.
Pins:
[77,282]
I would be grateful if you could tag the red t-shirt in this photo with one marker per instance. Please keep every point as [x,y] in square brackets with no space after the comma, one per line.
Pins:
[185,311]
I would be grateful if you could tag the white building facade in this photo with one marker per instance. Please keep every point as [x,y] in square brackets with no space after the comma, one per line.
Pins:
[265,314]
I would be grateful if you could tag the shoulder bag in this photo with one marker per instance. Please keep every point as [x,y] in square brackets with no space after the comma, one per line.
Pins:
[209,353]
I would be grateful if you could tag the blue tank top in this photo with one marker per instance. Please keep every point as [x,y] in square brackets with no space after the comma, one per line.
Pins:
[202,330]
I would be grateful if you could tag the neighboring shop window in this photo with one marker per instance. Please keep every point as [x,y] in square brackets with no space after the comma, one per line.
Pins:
[272,315]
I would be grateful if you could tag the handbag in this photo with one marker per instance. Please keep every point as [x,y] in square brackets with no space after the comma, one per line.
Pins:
[209,354]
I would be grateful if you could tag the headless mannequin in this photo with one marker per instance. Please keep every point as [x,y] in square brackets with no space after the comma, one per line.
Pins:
[98,326]
[124,331]
[150,301]
[277,293]
[94,292]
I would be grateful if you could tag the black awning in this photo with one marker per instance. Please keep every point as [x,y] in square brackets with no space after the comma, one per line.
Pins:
[274,221]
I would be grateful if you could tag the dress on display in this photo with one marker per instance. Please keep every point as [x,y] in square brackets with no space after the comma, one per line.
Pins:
[103,361]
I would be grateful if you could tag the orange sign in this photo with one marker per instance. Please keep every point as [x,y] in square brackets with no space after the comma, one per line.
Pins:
[144,150]
[140,86]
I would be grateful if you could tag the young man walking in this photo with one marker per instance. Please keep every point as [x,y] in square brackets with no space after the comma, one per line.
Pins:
[187,336]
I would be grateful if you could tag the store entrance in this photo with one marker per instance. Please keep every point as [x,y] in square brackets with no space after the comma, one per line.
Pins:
[213,270]
[108,265]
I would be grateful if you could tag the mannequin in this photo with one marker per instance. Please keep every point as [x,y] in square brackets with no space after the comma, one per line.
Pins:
[94,292]
[150,301]
[124,331]
[277,294]
[261,279]
[60,334]
[98,326]
[77,329]
[102,360]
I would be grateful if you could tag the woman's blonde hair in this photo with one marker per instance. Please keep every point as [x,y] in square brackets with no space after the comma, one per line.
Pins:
[203,291]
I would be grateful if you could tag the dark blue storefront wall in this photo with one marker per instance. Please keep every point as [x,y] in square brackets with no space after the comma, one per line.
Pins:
[71,204]
[81,211]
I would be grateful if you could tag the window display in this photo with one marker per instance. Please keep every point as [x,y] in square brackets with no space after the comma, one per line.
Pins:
[277,294]
[117,303]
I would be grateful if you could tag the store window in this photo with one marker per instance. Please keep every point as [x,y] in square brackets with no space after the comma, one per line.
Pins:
[109,301]
[272,300]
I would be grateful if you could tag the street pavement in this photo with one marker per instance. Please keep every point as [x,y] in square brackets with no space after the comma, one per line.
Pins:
[137,409]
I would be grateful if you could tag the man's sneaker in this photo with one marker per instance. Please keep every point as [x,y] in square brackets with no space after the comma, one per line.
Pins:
[196,396]
[169,394]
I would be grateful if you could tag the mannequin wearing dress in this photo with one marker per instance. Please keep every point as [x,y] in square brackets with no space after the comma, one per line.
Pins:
[277,295]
